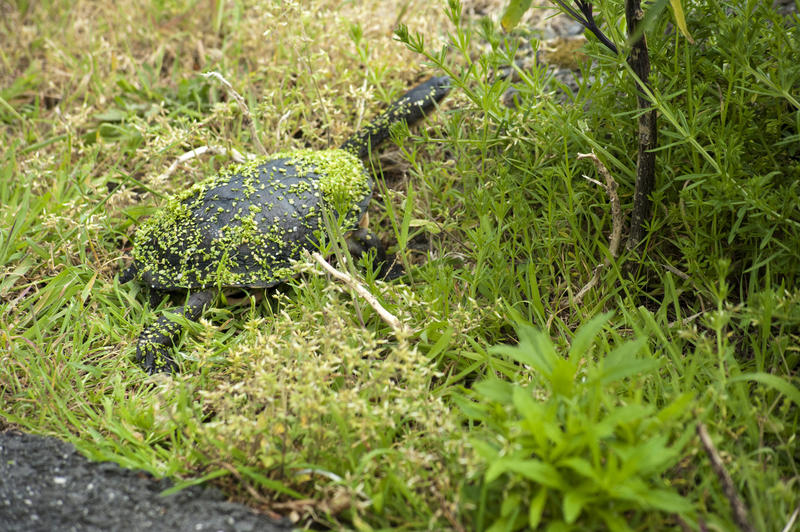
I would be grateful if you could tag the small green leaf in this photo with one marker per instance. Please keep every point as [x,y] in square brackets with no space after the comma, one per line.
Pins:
[484,449]
[536,508]
[513,13]
[677,408]
[574,501]
[496,390]
[510,504]
[581,466]
[620,363]
[665,500]
[408,210]
[585,335]
[429,226]
[680,20]
[562,380]
[535,470]
[614,521]
[442,343]
[525,405]
[469,408]
[535,350]
[502,524]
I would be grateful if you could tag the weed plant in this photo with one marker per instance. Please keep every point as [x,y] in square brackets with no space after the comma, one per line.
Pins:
[510,403]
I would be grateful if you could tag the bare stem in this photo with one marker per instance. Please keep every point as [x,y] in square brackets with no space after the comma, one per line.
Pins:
[737,506]
[242,105]
[639,61]
[385,315]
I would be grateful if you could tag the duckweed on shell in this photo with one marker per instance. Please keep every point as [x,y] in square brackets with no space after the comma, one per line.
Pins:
[235,229]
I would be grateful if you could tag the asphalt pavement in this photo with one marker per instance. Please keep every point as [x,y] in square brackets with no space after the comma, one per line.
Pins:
[46,485]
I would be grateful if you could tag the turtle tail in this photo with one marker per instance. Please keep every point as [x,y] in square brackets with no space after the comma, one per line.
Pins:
[411,107]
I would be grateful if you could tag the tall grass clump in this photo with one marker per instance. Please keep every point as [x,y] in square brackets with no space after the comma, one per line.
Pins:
[342,421]
[716,267]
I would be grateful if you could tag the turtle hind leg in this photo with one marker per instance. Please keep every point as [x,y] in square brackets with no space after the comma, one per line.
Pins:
[153,349]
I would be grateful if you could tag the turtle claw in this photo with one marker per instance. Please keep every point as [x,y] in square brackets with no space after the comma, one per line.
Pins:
[391,270]
[154,348]
[155,358]
[362,241]
[128,274]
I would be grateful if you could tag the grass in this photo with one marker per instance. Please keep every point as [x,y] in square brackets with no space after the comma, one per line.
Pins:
[509,403]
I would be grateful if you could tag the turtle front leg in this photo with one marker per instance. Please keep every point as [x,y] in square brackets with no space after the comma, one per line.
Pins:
[361,241]
[156,341]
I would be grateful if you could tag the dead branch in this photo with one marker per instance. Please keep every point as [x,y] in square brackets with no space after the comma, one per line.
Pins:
[236,155]
[616,222]
[737,506]
[792,520]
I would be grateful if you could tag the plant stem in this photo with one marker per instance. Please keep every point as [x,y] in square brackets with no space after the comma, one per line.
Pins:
[639,61]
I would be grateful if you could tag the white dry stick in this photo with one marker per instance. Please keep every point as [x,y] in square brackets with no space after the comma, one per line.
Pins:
[792,520]
[385,315]
[236,155]
[616,222]
[242,105]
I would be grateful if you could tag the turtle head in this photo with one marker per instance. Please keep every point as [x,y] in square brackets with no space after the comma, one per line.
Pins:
[411,108]
[427,95]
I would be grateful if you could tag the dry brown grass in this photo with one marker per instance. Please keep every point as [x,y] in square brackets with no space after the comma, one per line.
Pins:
[265,48]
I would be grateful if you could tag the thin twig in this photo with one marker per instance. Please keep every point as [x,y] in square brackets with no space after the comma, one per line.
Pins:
[236,155]
[385,315]
[792,519]
[737,506]
[242,105]
[586,19]
[616,222]
[685,320]
[676,271]
[457,526]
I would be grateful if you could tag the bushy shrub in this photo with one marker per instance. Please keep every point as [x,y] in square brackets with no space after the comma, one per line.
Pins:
[339,415]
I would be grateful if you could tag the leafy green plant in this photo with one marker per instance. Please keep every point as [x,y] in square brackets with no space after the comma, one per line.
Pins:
[573,442]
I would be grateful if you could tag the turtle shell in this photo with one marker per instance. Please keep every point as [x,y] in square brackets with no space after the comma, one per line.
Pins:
[244,226]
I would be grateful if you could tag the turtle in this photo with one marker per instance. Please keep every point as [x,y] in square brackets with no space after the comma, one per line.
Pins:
[243,227]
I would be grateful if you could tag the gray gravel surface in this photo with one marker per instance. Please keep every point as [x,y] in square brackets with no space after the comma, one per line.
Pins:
[45,484]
